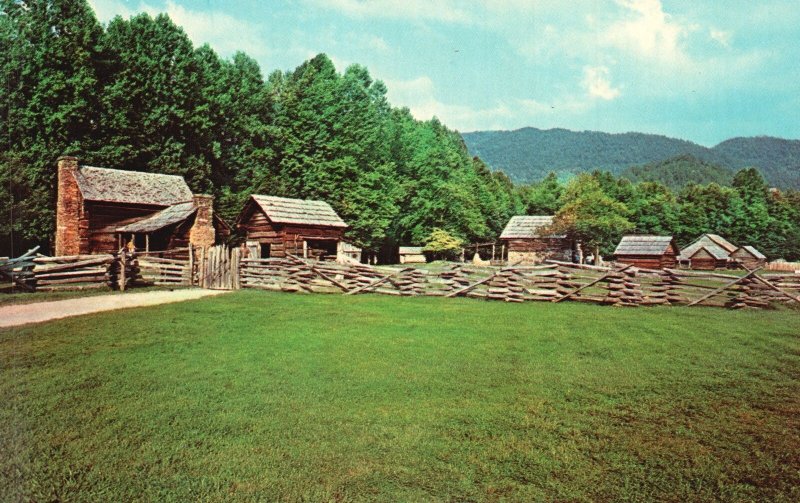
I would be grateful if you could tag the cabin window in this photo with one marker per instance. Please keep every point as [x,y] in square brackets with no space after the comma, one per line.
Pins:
[265,250]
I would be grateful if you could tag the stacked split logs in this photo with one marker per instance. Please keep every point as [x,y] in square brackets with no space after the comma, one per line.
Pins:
[75,272]
[623,289]
[454,279]
[410,282]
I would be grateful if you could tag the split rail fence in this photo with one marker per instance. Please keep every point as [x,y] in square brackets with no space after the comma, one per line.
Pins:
[220,267]
[554,282]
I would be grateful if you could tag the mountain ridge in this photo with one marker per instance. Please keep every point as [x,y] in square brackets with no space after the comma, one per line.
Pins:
[528,154]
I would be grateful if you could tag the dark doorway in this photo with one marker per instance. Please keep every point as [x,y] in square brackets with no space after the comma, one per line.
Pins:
[321,248]
[265,250]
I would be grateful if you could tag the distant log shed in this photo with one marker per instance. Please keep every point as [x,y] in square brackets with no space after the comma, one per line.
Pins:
[412,255]
[301,227]
[708,257]
[528,241]
[647,252]
[749,257]
[716,246]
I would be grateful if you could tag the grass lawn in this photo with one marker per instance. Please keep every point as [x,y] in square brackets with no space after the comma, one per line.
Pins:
[270,396]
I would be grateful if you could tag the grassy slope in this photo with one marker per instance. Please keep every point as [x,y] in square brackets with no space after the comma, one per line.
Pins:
[282,396]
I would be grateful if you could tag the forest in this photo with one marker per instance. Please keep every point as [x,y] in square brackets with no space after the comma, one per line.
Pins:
[136,94]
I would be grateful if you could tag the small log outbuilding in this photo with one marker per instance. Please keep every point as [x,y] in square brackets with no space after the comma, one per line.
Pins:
[720,247]
[528,241]
[647,252]
[749,257]
[100,209]
[412,255]
[279,225]
[708,257]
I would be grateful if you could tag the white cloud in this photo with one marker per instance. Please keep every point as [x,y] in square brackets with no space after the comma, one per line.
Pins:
[597,83]
[225,33]
[648,31]
[448,11]
[420,96]
[721,36]
[377,43]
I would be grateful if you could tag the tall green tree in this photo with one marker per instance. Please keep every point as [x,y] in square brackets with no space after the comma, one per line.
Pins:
[48,77]
[590,216]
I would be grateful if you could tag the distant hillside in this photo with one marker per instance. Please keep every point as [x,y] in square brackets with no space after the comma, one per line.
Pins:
[528,154]
[679,171]
[778,159]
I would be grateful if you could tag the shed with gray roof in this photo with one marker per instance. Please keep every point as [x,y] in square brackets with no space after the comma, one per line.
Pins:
[529,240]
[282,226]
[749,256]
[647,252]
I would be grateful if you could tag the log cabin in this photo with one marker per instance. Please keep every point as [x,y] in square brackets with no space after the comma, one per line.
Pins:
[708,257]
[749,257]
[647,252]
[715,242]
[527,240]
[281,226]
[99,210]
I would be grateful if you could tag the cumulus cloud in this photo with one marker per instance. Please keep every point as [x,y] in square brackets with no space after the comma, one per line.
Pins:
[648,31]
[225,33]
[596,81]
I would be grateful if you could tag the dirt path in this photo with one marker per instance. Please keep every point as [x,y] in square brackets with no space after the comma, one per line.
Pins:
[11,316]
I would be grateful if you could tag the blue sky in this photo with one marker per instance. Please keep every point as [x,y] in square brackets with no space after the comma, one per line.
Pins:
[700,70]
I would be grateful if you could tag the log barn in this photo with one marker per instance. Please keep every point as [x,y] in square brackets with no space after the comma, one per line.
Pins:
[309,229]
[708,257]
[720,247]
[528,242]
[749,256]
[647,252]
[99,210]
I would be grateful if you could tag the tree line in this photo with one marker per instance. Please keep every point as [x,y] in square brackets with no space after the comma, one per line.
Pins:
[136,94]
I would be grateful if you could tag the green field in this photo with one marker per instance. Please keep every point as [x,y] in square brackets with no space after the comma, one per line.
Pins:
[269,396]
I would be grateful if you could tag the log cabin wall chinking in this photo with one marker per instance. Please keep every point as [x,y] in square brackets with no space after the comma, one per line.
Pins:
[281,226]
[100,209]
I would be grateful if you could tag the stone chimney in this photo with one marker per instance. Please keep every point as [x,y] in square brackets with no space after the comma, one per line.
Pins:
[68,208]
[202,232]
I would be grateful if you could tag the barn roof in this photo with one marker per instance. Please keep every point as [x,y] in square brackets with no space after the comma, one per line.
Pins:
[707,239]
[753,251]
[527,227]
[168,216]
[298,211]
[644,245]
[131,187]
[715,251]
[411,250]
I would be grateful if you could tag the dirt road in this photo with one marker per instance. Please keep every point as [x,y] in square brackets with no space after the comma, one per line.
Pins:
[11,316]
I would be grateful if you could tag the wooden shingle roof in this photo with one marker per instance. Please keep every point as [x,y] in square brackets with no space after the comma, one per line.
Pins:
[410,250]
[298,211]
[715,251]
[752,251]
[131,187]
[707,239]
[168,216]
[527,227]
[644,245]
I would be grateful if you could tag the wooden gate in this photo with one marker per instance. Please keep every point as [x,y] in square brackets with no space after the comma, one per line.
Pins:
[218,268]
